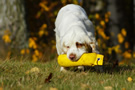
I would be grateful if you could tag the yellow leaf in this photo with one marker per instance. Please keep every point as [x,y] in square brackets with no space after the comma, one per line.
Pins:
[36,52]
[33,70]
[101,32]
[127,55]
[102,23]
[22,51]
[109,50]
[53,88]
[44,26]
[123,88]
[6,39]
[109,13]
[108,87]
[41,33]
[123,62]
[32,43]
[129,79]
[106,20]
[116,48]
[126,45]
[97,16]
[120,38]
[133,54]
[75,1]
[1,88]
[34,58]
[123,32]
[63,2]
[27,51]
[44,6]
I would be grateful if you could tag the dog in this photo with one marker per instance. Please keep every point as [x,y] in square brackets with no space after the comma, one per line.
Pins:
[74,33]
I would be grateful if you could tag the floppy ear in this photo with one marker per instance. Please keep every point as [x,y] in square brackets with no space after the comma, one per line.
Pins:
[91,44]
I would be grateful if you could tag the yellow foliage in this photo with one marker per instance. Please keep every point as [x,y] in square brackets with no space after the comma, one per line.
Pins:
[116,49]
[106,20]
[41,33]
[32,43]
[44,6]
[102,23]
[109,13]
[75,1]
[127,55]
[43,26]
[101,32]
[42,30]
[133,54]
[120,38]
[126,45]
[34,58]
[33,70]
[97,16]
[6,38]
[123,32]
[22,51]
[129,79]
[63,2]
[110,50]
[36,52]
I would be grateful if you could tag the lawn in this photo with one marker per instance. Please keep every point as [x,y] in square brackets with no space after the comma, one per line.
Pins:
[27,75]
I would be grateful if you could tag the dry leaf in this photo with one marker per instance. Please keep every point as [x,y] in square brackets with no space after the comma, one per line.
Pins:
[123,88]
[1,88]
[85,86]
[33,70]
[129,79]
[47,80]
[108,87]
[53,88]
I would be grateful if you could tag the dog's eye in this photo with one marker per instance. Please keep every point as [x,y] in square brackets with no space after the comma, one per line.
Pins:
[79,45]
[68,47]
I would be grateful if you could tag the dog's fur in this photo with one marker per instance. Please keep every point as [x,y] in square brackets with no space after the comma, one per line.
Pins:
[74,32]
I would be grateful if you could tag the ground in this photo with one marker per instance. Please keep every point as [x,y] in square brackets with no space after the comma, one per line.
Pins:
[27,75]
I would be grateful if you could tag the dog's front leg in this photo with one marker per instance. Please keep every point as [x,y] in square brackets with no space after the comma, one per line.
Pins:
[63,69]
[81,68]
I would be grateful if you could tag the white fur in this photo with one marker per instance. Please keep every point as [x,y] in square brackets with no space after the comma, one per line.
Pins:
[72,25]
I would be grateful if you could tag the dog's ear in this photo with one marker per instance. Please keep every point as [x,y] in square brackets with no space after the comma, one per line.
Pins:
[91,44]
[88,48]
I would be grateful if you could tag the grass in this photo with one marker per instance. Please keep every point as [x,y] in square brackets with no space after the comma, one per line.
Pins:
[17,75]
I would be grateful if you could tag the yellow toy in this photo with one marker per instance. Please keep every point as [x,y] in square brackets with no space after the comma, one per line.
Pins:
[87,59]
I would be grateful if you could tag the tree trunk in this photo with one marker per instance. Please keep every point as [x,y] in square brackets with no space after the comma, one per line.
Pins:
[12,16]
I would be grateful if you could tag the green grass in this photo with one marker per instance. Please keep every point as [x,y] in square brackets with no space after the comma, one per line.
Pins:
[13,77]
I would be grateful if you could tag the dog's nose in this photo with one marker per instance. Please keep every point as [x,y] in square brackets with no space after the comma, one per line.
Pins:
[72,56]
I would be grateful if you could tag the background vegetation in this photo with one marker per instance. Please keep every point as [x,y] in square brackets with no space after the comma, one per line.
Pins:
[28,28]
[27,42]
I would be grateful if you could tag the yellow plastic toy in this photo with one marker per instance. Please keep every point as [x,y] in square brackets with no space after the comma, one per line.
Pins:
[87,59]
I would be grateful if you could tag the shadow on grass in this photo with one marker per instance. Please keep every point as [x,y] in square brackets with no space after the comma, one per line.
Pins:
[108,69]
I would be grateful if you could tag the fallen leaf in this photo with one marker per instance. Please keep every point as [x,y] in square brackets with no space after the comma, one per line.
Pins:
[123,88]
[85,86]
[108,87]
[53,88]
[47,80]
[101,82]
[33,70]
[129,79]
[1,88]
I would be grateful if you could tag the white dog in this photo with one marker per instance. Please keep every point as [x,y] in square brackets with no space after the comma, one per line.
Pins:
[74,33]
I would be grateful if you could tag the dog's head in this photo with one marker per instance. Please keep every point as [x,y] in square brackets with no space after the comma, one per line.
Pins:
[75,44]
